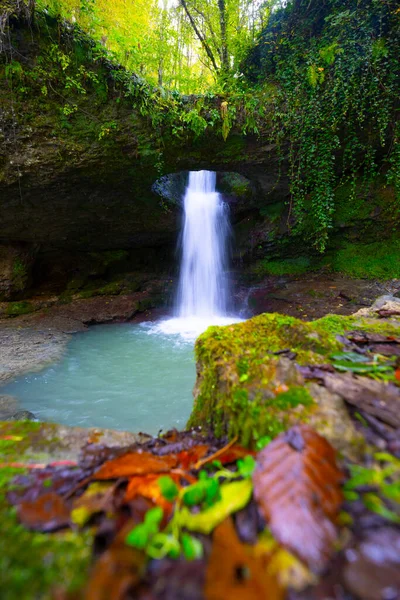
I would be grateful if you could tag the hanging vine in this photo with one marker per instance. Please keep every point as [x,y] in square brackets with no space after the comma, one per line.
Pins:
[336,66]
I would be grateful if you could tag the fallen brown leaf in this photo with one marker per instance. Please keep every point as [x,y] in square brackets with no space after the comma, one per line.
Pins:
[136,463]
[234,572]
[297,487]
[115,574]
[47,513]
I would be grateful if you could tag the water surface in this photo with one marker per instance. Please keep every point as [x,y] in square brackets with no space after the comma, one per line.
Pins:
[125,376]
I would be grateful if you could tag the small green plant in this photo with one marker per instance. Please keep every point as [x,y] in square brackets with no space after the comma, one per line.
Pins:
[384,476]
[214,500]
[106,129]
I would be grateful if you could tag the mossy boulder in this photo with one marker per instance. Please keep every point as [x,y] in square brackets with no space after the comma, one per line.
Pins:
[15,270]
[35,565]
[248,384]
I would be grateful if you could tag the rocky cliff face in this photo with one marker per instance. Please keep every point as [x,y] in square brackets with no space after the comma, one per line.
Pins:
[78,162]
[91,177]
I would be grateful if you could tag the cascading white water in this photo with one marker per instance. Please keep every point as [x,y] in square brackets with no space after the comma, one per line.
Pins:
[203,295]
[203,287]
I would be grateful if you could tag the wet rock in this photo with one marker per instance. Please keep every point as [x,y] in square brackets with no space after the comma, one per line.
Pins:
[384,306]
[332,420]
[49,442]
[313,295]
[100,309]
[23,415]
[372,571]
[25,349]
[8,406]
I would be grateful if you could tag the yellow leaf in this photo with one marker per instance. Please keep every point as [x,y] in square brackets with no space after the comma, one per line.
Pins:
[80,516]
[234,496]
[281,565]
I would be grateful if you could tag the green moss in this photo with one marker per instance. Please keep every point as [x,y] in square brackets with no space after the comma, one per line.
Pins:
[374,260]
[34,565]
[14,309]
[146,304]
[111,289]
[293,397]
[365,202]
[19,274]
[75,284]
[378,260]
[85,294]
[288,266]
[65,297]
[245,390]
[110,256]
[234,183]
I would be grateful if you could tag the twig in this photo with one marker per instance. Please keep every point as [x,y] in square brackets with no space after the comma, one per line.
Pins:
[204,461]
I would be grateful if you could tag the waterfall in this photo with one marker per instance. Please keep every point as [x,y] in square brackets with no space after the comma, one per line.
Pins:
[203,286]
[203,296]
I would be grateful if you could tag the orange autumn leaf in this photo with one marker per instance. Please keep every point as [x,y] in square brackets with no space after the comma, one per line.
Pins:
[297,487]
[234,572]
[188,458]
[233,454]
[228,454]
[281,388]
[149,488]
[136,463]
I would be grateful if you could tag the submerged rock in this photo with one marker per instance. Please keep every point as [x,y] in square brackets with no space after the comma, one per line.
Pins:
[23,415]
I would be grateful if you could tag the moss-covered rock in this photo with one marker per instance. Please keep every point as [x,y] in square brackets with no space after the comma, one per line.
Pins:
[246,388]
[15,270]
[35,565]
[15,309]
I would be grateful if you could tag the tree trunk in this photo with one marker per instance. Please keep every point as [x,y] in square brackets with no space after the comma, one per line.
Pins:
[200,37]
[225,66]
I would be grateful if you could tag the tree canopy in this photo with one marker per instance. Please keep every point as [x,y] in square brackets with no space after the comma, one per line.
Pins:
[187,45]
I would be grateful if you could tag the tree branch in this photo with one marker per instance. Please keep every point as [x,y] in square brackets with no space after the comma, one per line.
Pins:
[201,38]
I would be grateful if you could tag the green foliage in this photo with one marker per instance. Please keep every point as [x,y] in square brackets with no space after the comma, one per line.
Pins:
[168,488]
[143,533]
[321,85]
[19,274]
[14,70]
[338,81]
[287,266]
[379,260]
[32,563]
[382,480]
[191,547]
[205,492]
[246,466]
[14,309]
[196,122]
[233,497]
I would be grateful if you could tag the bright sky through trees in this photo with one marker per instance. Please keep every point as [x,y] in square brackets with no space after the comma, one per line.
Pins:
[187,45]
